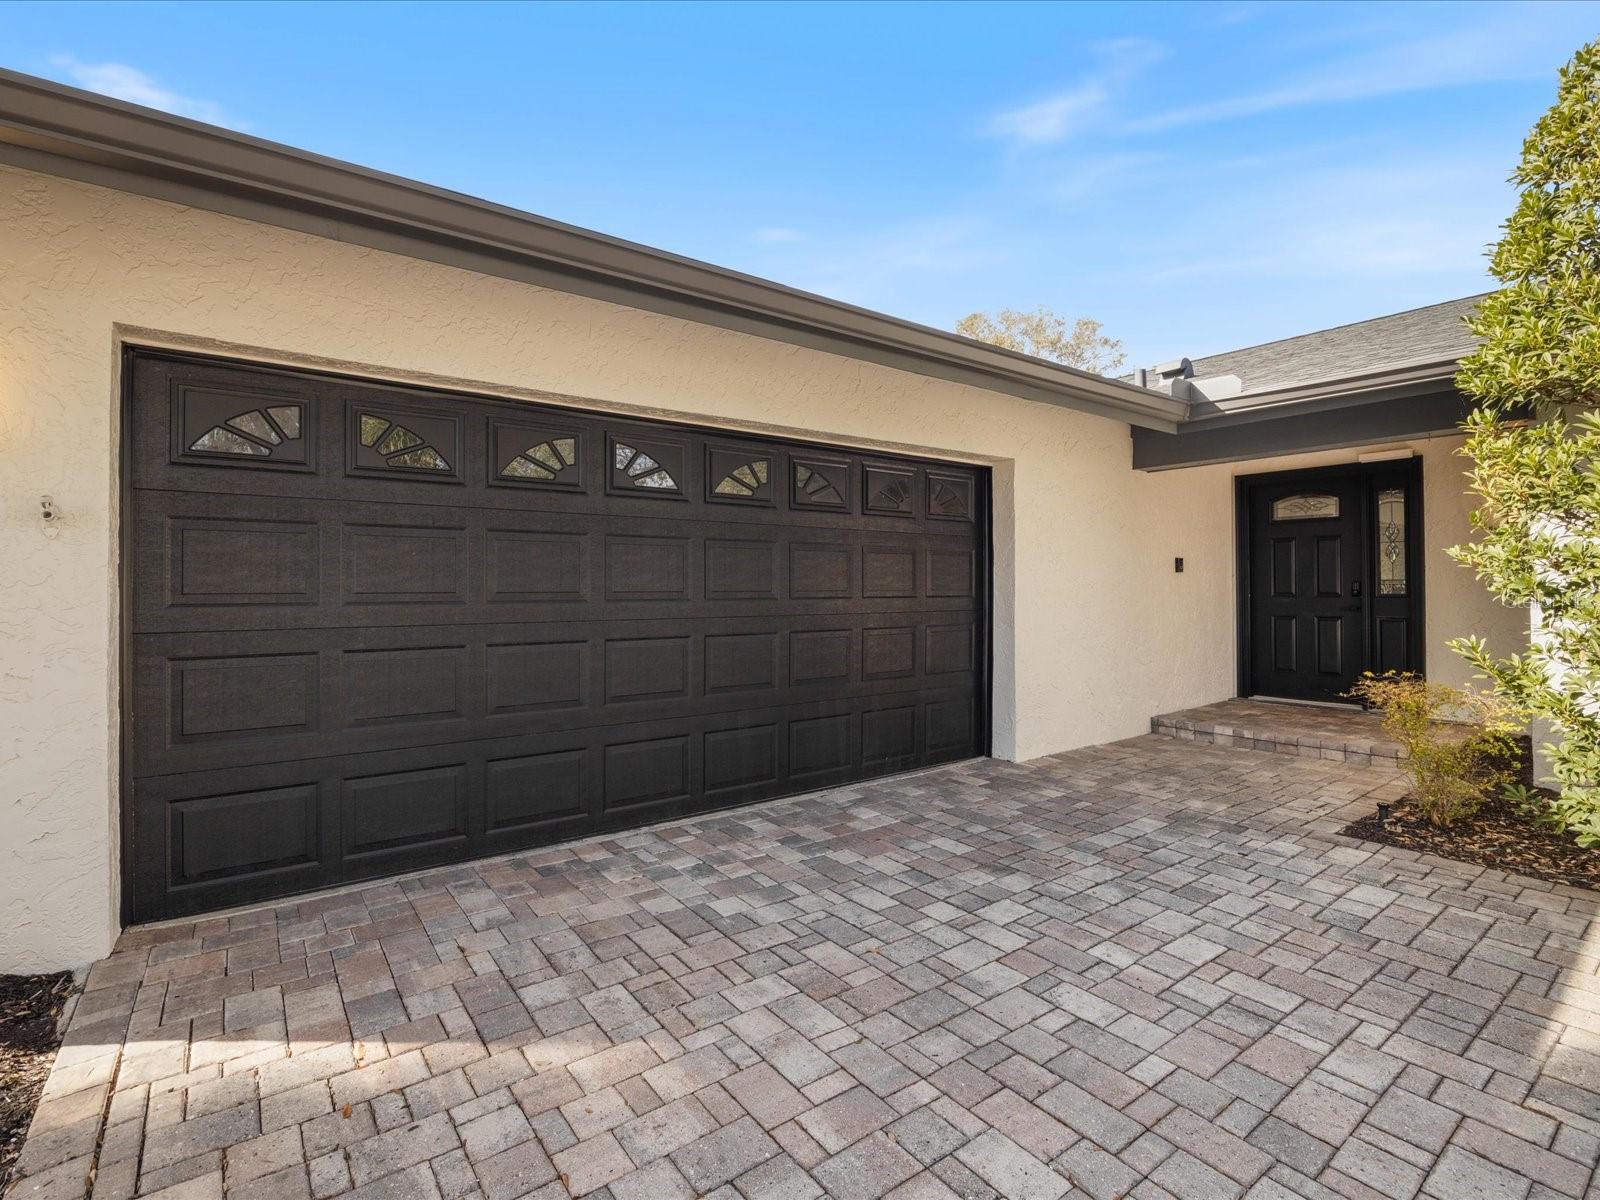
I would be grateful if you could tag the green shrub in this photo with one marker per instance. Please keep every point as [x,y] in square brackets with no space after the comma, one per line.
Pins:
[1535,443]
[1461,747]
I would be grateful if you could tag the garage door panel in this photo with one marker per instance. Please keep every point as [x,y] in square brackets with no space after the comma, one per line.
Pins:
[743,569]
[889,735]
[524,792]
[948,648]
[889,653]
[888,572]
[822,748]
[403,564]
[740,759]
[949,725]
[405,813]
[376,628]
[203,562]
[951,572]
[227,697]
[247,697]
[646,772]
[647,567]
[742,662]
[821,658]
[268,826]
[404,685]
[245,833]
[534,567]
[232,837]
[535,674]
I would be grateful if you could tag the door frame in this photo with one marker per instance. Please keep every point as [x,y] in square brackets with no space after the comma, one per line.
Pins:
[1408,472]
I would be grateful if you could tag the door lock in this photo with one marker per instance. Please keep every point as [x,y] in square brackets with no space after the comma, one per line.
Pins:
[1355,587]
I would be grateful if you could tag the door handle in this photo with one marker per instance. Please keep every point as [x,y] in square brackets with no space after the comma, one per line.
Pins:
[1355,587]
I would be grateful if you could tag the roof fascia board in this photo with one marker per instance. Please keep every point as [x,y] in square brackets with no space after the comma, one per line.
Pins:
[1326,403]
[1390,380]
[60,130]
[1234,439]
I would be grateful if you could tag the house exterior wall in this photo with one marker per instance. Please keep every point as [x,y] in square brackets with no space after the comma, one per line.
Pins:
[1094,632]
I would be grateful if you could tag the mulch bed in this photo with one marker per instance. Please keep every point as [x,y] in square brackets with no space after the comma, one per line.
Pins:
[30,1009]
[1498,835]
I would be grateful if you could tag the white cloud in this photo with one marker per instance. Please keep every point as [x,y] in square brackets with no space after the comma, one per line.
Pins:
[123,82]
[1066,112]
[1377,222]
[1051,119]
[879,268]
[778,235]
[1506,47]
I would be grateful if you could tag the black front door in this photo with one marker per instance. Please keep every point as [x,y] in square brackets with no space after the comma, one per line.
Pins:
[1331,579]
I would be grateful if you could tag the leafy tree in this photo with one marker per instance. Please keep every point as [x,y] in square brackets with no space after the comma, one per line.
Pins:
[1044,334]
[1535,440]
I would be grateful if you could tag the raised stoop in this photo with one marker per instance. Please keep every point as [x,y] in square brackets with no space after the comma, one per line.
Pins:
[1304,730]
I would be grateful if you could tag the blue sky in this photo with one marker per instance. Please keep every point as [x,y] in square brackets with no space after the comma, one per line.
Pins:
[1197,177]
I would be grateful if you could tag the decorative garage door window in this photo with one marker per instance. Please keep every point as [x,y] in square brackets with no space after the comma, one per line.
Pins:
[337,673]
[539,455]
[401,442]
[646,467]
[739,475]
[949,497]
[237,427]
[820,483]
[889,490]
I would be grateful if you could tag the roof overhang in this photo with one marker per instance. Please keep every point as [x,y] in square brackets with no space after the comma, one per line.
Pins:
[63,131]
[1391,381]
[1402,400]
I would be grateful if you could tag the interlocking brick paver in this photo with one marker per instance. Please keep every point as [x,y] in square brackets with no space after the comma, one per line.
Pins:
[711,1161]
[662,1130]
[1149,970]
[591,1165]
[871,1168]
[1011,1170]
[402,1147]
[846,1119]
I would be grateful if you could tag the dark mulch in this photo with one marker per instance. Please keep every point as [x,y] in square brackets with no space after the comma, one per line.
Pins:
[1498,835]
[30,1009]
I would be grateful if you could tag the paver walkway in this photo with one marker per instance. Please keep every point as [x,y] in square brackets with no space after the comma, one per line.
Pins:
[1142,970]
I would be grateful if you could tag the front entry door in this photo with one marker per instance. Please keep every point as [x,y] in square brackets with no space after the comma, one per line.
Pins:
[1332,567]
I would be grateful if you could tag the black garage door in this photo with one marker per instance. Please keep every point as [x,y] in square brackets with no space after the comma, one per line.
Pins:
[374,628]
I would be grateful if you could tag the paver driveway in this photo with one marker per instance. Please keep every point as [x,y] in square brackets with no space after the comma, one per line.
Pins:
[1144,970]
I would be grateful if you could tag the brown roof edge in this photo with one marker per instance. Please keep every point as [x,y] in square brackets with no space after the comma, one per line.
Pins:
[50,127]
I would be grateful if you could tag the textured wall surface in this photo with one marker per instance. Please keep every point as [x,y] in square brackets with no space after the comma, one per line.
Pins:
[1094,632]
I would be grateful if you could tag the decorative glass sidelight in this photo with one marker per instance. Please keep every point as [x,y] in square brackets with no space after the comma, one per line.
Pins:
[1392,542]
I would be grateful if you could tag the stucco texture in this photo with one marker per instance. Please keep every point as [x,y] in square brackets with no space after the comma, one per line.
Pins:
[1094,631]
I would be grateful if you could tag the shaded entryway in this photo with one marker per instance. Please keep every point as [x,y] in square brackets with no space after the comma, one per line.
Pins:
[1330,578]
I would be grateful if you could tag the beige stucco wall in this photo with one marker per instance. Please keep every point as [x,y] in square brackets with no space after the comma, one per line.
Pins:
[1094,631]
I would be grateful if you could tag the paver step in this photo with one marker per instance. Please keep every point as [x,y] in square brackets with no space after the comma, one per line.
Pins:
[1304,730]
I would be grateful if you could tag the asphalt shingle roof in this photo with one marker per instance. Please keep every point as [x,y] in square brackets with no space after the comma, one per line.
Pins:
[1433,332]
